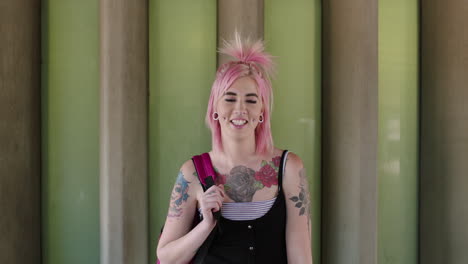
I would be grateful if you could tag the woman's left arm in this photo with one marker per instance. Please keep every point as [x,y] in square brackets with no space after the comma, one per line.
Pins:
[298,224]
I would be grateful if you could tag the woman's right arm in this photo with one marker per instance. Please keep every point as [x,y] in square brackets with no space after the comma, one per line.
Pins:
[178,244]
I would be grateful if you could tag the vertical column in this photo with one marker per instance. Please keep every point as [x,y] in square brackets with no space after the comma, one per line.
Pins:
[350,104]
[123,131]
[245,16]
[296,121]
[444,132]
[398,132]
[20,220]
[70,132]
[182,67]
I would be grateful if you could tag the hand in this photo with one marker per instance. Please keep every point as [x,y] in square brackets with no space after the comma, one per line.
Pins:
[211,201]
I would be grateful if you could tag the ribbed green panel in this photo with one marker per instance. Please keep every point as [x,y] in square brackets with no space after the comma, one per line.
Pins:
[70,132]
[398,128]
[292,33]
[182,69]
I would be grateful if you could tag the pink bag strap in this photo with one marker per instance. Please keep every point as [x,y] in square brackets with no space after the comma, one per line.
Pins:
[204,169]
[206,174]
[207,178]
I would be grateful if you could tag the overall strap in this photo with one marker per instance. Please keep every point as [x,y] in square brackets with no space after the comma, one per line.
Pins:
[281,169]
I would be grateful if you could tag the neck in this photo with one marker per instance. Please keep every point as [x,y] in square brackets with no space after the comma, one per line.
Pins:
[238,151]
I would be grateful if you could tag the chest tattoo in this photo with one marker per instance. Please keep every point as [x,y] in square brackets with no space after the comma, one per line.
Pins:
[241,183]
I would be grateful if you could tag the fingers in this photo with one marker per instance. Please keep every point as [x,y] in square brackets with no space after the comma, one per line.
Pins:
[216,189]
[213,206]
[213,198]
[212,201]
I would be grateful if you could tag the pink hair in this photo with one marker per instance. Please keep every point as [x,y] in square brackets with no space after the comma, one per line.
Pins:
[250,60]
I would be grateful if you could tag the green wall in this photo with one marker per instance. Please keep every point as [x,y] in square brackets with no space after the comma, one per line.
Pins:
[70,132]
[292,34]
[182,67]
[398,132]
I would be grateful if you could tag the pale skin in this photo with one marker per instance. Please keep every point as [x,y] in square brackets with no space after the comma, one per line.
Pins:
[238,163]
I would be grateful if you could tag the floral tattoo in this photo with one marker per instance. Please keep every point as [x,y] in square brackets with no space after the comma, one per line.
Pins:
[242,182]
[179,196]
[302,200]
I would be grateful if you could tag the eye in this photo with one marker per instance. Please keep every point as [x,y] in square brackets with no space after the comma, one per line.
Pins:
[251,101]
[230,100]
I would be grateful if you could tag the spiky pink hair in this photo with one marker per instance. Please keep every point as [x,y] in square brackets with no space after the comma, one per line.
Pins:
[250,59]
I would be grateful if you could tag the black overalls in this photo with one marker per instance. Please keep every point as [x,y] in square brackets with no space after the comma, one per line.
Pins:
[257,241]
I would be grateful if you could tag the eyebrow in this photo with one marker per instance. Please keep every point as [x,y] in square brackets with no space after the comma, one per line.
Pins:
[247,95]
[252,94]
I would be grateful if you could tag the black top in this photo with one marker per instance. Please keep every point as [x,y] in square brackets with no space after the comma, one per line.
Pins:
[261,240]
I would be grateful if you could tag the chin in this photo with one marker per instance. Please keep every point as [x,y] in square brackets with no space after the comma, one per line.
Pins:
[240,134]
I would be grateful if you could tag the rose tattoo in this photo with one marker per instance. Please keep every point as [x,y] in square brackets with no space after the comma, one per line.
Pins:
[241,184]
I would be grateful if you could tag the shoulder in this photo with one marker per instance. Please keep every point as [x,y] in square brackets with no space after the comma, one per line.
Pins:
[293,170]
[188,171]
[293,163]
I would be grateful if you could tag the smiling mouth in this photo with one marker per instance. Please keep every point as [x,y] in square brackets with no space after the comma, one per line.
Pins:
[239,122]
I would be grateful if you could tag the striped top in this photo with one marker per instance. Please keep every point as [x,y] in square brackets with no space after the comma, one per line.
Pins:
[246,210]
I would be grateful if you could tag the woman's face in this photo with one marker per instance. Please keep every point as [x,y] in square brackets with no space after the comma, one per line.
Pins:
[239,108]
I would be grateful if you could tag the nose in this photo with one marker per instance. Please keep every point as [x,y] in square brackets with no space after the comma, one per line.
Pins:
[240,108]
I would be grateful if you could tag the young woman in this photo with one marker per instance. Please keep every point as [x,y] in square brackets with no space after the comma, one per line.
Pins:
[261,191]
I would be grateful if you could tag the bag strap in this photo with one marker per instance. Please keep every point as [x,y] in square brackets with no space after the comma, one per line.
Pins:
[207,177]
[206,174]
[205,170]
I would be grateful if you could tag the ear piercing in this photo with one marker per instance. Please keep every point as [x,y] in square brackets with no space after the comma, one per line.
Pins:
[260,119]
[215,116]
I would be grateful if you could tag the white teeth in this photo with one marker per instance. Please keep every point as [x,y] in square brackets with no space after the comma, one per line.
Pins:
[239,122]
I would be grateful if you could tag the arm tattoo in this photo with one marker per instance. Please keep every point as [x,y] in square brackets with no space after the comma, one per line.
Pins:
[179,196]
[302,200]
